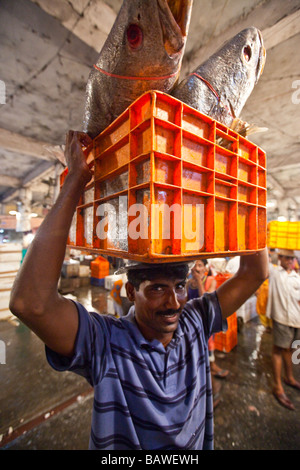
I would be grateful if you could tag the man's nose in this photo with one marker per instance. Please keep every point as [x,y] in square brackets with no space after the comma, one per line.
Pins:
[172,300]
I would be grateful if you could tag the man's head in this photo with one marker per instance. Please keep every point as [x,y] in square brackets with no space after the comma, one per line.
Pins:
[159,295]
[286,258]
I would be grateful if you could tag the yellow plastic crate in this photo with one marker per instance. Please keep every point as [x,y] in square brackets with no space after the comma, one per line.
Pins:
[284,235]
[201,187]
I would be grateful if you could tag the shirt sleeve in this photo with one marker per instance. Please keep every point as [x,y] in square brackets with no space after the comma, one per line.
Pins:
[89,359]
[208,307]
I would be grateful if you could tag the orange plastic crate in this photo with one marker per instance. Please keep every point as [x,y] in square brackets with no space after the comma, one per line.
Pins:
[284,235]
[226,341]
[171,184]
[99,268]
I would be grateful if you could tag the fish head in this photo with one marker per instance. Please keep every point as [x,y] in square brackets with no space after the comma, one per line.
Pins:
[142,52]
[236,68]
[147,37]
[252,53]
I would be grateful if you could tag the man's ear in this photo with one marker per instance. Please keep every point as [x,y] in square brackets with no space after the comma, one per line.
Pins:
[130,291]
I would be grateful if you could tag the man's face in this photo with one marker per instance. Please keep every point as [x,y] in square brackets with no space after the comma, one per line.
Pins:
[287,262]
[158,305]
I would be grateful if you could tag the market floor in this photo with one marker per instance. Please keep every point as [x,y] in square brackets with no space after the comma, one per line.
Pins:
[43,409]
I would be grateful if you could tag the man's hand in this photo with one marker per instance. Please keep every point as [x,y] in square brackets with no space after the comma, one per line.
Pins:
[74,154]
[198,272]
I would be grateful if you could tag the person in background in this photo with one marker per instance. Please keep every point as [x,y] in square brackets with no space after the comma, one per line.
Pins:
[200,282]
[284,309]
[261,305]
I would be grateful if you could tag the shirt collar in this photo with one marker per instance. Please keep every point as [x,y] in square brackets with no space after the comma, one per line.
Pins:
[154,344]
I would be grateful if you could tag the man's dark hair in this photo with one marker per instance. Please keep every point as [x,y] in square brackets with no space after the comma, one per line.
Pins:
[137,276]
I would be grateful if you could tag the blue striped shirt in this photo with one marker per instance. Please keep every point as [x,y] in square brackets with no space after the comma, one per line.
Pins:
[145,396]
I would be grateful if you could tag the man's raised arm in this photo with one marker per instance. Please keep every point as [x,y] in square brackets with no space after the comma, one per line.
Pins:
[35,299]
[253,270]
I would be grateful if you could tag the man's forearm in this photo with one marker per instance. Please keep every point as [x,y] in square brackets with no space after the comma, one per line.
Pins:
[255,265]
[39,274]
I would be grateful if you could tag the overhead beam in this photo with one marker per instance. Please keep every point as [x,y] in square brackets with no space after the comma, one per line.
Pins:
[39,172]
[10,181]
[286,25]
[282,31]
[25,145]
[91,23]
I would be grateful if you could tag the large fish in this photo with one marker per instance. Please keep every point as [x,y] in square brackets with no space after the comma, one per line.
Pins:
[143,51]
[221,85]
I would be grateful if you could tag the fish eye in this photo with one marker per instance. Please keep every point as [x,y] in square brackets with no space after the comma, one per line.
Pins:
[134,36]
[247,53]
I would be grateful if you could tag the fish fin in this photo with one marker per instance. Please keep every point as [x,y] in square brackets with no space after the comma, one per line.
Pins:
[244,128]
[57,151]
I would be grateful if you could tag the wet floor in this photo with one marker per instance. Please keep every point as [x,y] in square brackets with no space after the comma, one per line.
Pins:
[43,409]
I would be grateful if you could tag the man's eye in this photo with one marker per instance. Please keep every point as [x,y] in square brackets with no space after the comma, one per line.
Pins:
[181,287]
[157,288]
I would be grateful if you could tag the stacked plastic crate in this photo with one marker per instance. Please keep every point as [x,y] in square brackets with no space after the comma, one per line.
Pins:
[226,341]
[284,235]
[99,270]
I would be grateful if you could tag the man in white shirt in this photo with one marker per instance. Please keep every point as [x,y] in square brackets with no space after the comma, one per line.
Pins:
[284,308]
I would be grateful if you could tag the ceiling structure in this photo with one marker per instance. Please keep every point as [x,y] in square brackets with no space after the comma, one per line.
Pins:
[47,49]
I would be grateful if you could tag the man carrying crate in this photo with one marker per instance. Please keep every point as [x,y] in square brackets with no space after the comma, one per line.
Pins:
[284,309]
[150,369]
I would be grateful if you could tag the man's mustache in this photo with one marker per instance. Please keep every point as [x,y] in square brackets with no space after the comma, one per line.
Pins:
[169,312]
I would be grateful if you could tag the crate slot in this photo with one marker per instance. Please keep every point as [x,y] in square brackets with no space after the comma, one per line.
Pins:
[115,184]
[140,171]
[247,172]
[167,139]
[261,197]
[141,110]
[225,189]
[262,178]
[141,139]
[85,226]
[225,225]
[167,170]
[166,221]
[247,193]
[261,227]
[197,179]
[247,150]
[166,111]
[226,141]
[198,223]
[139,220]
[112,159]
[247,227]
[111,223]
[197,125]
[225,162]
[118,131]
[261,158]
[196,151]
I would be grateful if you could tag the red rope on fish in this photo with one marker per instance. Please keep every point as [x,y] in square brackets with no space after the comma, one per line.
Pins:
[208,84]
[133,78]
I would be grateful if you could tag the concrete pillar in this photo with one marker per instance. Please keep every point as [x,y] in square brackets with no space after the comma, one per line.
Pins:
[24,210]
